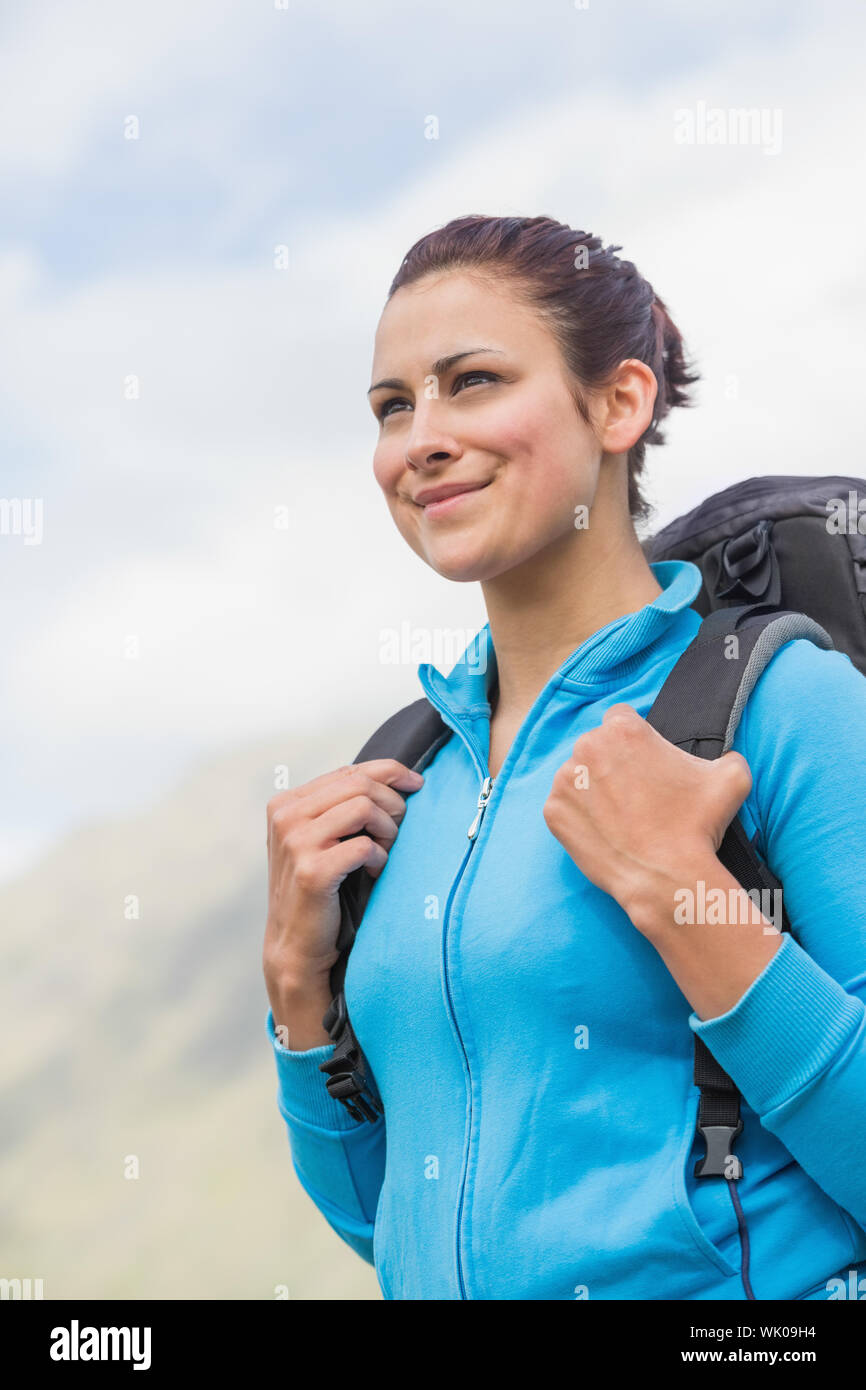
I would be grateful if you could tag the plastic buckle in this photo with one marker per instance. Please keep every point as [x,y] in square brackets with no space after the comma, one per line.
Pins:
[350,1088]
[345,1081]
[718,1159]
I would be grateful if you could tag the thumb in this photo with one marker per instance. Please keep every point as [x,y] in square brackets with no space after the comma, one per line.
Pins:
[735,775]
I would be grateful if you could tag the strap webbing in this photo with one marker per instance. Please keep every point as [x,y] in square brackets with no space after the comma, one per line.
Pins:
[698,709]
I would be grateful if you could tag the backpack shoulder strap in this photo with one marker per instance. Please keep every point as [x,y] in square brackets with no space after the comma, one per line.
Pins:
[412,736]
[703,698]
[698,709]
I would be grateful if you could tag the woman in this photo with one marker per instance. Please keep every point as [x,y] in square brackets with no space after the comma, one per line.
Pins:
[524,997]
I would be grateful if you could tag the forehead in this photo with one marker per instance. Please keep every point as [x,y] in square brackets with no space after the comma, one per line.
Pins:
[448,311]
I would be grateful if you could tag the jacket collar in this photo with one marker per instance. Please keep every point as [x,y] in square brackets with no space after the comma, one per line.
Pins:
[602,661]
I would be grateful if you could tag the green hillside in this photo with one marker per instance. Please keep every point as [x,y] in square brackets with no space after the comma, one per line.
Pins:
[146,1037]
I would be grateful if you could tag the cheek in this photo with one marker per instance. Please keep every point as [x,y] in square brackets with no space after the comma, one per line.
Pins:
[551,472]
[388,470]
[387,467]
[548,450]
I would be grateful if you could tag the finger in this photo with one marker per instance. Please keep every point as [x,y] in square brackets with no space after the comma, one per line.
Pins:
[359,815]
[736,768]
[391,773]
[355,783]
[620,711]
[387,771]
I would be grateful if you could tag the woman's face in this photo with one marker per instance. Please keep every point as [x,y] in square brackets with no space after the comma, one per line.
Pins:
[501,418]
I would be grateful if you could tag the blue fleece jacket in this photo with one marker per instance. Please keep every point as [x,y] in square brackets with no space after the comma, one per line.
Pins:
[533,1052]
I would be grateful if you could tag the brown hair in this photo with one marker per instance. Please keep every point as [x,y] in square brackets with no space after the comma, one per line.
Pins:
[600,309]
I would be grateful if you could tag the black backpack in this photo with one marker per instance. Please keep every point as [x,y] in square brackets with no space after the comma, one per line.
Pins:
[782,557]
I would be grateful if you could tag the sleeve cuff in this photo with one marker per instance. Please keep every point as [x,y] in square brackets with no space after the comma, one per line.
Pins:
[784,1031]
[303,1093]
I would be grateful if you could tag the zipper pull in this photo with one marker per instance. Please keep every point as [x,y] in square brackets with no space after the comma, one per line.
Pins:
[483,798]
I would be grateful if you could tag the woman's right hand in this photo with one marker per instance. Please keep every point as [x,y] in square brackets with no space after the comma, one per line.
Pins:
[317,834]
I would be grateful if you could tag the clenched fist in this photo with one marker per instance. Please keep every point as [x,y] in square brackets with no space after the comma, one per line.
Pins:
[634,811]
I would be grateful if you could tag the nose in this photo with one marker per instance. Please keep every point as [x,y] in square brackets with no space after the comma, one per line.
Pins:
[425,458]
[427,445]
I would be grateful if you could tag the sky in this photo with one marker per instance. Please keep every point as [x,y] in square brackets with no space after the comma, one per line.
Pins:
[166,382]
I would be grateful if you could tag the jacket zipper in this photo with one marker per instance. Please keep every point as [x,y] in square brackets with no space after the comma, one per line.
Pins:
[483,798]
[472,834]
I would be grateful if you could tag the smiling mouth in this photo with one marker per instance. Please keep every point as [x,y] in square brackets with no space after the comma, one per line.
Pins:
[446,504]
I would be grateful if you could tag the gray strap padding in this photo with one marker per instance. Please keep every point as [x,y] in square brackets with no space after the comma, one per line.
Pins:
[775,635]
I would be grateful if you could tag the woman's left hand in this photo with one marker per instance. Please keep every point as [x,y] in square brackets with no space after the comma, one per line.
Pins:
[637,814]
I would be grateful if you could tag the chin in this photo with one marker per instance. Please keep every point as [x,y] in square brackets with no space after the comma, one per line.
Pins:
[464,564]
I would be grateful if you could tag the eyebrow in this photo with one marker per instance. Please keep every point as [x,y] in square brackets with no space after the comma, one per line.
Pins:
[439,368]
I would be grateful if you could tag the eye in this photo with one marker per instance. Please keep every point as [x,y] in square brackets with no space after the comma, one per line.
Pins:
[385,410]
[489,376]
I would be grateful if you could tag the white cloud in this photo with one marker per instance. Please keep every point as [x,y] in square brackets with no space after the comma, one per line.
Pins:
[159,511]
[69,74]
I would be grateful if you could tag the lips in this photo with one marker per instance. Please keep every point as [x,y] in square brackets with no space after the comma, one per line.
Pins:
[429,496]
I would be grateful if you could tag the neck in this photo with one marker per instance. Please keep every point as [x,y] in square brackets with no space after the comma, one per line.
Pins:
[544,609]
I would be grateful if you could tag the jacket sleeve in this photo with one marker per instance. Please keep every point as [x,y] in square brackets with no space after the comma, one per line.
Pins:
[340,1162]
[795,1042]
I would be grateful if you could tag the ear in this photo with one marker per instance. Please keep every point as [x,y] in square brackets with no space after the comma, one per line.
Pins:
[627,410]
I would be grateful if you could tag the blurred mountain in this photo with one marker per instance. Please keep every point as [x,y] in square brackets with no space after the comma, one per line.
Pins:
[145,1036]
